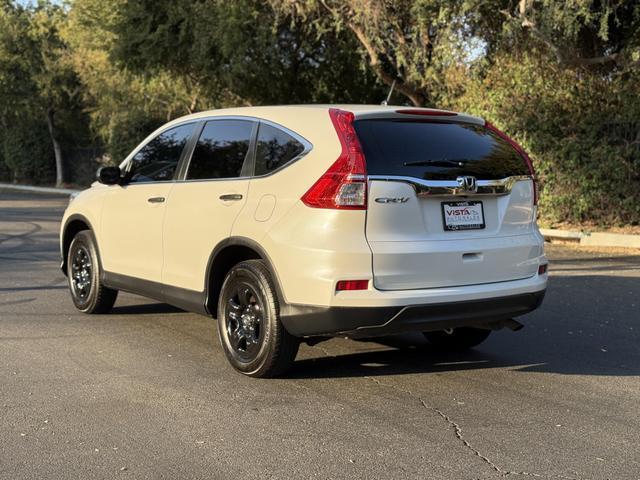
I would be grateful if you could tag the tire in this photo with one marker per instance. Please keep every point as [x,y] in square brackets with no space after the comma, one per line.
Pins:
[252,336]
[457,339]
[88,293]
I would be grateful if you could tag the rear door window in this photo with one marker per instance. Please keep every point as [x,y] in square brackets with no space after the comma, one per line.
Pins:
[274,149]
[157,160]
[436,150]
[221,150]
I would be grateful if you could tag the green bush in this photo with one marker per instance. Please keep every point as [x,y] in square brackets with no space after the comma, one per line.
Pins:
[5,173]
[27,152]
[582,133]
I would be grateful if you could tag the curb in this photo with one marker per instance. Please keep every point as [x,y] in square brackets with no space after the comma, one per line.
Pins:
[29,188]
[595,239]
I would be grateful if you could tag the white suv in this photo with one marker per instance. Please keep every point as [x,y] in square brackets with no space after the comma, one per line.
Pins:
[306,222]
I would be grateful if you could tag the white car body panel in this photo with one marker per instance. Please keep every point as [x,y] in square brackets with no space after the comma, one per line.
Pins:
[412,250]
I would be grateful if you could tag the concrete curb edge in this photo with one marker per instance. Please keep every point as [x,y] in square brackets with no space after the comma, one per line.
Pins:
[29,188]
[593,239]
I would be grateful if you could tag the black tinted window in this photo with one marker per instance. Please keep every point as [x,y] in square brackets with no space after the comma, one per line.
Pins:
[221,150]
[274,149]
[159,158]
[436,151]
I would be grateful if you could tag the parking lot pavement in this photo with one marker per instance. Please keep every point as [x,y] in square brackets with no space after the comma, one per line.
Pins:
[145,392]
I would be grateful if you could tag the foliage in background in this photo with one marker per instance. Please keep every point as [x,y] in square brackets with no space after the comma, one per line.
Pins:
[143,63]
[411,45]
[37,83]
[583,133]
[124,106]
[27,153]
[563,80]
[243,52]
[560,77]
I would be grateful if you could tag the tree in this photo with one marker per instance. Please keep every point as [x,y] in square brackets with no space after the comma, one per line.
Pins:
[560,77]
[243,52]
[123,106]
[423,47]
[410,45]
[36,78]
[598,36]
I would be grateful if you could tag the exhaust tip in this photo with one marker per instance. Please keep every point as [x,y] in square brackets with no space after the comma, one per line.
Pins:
[512,325]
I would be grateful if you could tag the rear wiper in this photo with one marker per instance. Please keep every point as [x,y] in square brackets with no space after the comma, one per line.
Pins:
[438,163]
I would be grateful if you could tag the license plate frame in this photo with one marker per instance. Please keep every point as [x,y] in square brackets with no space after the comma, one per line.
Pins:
[457,227]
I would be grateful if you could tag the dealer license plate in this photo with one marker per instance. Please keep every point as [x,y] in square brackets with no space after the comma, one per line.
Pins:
[462,215]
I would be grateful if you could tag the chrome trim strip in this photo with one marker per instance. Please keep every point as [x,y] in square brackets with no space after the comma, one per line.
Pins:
[432,188]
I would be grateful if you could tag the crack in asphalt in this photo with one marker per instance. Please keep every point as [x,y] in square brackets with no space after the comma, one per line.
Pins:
[455,427]
[458,432]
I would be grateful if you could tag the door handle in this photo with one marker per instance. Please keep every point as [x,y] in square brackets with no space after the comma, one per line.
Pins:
[155,200]
[231,196]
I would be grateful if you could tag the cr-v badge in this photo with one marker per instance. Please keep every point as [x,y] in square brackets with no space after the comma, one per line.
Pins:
[392,199]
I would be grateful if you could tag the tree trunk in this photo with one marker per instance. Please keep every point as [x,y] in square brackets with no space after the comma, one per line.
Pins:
[57,150]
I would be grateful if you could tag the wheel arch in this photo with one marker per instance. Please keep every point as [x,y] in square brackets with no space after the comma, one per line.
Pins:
[74,224]
[225,255]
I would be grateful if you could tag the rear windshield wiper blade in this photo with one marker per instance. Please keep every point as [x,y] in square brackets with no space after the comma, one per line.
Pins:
[437,163]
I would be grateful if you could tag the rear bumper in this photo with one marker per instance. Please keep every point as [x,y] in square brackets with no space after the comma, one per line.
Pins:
[307,321]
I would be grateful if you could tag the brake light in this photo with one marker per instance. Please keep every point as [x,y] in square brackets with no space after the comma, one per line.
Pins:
[352,285]
[344,184]
[427,111]
[522,153]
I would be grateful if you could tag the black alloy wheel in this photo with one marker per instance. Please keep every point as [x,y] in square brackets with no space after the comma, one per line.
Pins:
[251,333]
[81,273]
[88,293]
[244,322]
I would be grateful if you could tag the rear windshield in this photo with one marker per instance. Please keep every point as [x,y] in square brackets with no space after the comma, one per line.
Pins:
[436,150]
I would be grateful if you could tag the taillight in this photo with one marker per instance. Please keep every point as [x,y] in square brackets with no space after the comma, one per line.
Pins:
[344,184]
[522,153]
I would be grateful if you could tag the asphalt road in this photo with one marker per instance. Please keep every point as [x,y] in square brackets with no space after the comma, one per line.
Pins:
[145,392]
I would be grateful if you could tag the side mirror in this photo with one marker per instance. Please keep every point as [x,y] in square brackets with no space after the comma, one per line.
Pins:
[109,175]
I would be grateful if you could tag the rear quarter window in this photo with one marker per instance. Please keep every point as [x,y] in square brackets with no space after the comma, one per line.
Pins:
[274,149]
[436,150]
